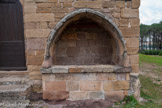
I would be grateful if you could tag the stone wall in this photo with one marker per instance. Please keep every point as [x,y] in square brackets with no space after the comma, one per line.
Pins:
[41,16]
[84,43]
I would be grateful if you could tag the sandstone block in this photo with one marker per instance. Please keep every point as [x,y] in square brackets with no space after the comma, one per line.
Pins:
[114,96]
[130,31]
[129,13]
[37,32]
[120,4]
[120,85]
[132,50]
[90,86]
[134,59]
[107,86]
[78,95]
[135,68]
[55,85]
[102,76]
[132,42]
[34,17]
[135,22]
[53,95]
[124,22]
[72,86]
[121,77]
[30,8]
[135,4]
[41,42]
[108,4]
[112,76]
[87,4]
[96,95]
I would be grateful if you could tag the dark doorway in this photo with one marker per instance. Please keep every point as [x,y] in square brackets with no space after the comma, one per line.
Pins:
[12,48]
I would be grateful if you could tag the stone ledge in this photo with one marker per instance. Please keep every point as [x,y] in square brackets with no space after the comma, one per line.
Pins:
[86,69]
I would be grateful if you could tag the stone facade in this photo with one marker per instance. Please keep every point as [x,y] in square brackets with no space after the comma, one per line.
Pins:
[43,17]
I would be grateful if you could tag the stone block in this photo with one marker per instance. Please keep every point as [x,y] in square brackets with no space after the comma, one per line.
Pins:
[69,36]
[73,86]
[135,4]
[130,31]
[61,52]
[55,85]
[121,76]
[132,42]
[135,22]
[132,50]
[30,43]
[120,4]
[121,85]
[124,22]
[30,8]
[112,76]
[129,13]
[108,4]
[78,95]
[53,95]
[135,68]
[134,59]
[71,43]
[53,1]
[81,35]
[62,77]
[102,76]
[34,17]
[96,95]
[82,43]
[37,32]
[88,4]
[46,5]
[73,51]
[114,96]
[31,25]
[90,86]
[107,86]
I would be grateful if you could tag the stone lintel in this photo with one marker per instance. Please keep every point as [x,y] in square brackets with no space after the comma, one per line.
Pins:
[86,69]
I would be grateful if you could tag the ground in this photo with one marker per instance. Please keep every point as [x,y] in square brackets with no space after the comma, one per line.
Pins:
[151,83]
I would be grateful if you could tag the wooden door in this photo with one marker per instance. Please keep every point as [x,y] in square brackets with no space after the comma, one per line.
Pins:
[12,48]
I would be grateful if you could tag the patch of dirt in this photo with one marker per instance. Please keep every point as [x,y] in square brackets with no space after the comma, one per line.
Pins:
[153,71]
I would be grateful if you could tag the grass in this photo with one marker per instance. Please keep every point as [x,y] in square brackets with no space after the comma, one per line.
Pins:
[150,90]
[150,59]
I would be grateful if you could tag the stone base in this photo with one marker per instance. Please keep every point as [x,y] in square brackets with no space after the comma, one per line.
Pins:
[77,85]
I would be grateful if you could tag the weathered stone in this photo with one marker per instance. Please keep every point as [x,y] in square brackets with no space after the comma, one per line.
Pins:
[90,86]
[78,95]
[124,22]
[108,86]
[129,13]
[134,59]
[37,32]
[55,85]
[130,31]
[135,22]
[114,96]
[121,85]
[135,3]
[72,86]
[53,95]
[120,4]
[96,95]
[39,17]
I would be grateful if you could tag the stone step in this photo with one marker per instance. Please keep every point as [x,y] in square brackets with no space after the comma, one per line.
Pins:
[15,104]
[14,80]
[12,73]
[14,92]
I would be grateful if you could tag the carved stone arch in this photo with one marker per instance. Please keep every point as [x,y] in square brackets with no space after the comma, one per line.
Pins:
[94,15]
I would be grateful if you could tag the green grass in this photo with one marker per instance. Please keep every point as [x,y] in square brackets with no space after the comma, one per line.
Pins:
[150,59]
[150,91]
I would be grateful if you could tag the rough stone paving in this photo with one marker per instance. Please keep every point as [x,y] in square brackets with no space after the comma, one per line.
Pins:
[82,32]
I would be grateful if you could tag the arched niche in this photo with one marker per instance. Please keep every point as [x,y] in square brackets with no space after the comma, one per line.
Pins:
[83,17]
